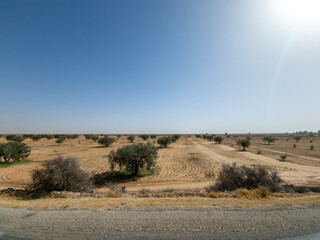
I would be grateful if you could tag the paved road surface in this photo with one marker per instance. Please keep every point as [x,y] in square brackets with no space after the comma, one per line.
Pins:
[155,223]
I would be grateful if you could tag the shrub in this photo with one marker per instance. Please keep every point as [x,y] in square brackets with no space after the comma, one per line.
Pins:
[60,174]
[294,146]
[269,139]
[14,151]
[232,177]
[244,143]
[134,157]
[144,137]
[49,137]
[106,141]
[131,138]
[198,136]
[164,141]
[297,138]
[60,140]
[283,158]
[175,137]
[218,139]
[36,138]
[209,137]
[153,136]
[311,147]
[259,152]
[14,138]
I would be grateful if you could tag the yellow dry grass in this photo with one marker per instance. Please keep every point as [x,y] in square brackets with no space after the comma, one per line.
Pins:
[128,201]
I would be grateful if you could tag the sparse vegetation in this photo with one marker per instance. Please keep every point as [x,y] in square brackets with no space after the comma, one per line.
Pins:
[311,147]
[153,136]
[294,145]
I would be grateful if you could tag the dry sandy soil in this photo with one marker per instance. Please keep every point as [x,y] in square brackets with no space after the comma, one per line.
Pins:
[186,164]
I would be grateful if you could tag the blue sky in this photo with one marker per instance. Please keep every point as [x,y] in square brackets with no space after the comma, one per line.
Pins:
[156,66]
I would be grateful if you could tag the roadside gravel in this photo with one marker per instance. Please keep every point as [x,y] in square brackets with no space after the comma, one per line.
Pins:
[159,223]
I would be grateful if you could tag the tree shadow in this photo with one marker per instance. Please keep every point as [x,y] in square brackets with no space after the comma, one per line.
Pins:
[101,179]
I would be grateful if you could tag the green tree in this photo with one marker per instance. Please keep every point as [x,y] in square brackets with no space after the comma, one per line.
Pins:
[60,140]
[218,139]
[269,139]
[131,138]
[175,137]
[15,151]
[134,157]
[297,138]
[244,143]
[144,137]
[164,141]
[106,141]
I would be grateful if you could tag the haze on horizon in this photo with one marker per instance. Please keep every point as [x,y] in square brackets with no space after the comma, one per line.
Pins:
[164,66]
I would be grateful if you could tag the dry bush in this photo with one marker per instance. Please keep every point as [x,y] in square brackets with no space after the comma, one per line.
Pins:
[258,193]
[232,177]
[60,174]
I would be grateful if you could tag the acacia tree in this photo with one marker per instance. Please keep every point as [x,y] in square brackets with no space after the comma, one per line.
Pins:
[244,143]
[134,157]
[269,139]
[164,141]
[218,139]
[106,141]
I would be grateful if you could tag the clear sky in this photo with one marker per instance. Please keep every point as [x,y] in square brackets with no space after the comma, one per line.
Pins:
[158,66]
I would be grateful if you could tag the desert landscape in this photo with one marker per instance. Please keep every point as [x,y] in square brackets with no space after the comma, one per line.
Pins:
[189,163]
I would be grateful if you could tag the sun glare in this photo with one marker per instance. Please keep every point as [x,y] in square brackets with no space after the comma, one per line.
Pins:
[305,12]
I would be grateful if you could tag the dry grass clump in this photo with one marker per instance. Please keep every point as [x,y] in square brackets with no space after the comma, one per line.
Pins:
[258,193]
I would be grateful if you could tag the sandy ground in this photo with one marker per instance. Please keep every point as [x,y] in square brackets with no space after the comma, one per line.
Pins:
[186,164]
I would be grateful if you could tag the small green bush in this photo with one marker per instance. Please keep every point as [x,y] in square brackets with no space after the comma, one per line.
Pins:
[144,137]
[311,147]
[106,141]
[131,138]
[244,143]
[283,158]
[269,139]
[164,141]
[218,139]
[60,140]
